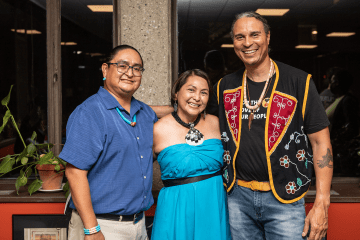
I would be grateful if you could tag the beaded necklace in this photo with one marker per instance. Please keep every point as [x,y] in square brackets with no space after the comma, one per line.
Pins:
[194,137]
[133,123]
[257,105]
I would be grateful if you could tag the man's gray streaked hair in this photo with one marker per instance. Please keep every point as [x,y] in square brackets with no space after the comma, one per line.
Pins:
[250,14]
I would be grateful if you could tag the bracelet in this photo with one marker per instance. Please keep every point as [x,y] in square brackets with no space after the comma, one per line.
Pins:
[92,230]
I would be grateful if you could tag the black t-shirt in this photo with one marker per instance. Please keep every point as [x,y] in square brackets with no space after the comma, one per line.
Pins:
[251,160]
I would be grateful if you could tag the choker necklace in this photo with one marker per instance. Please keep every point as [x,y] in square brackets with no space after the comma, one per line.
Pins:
[257,105]
[194,137]
[133,123]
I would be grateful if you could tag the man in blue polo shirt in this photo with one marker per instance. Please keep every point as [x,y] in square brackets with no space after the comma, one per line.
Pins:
[108,147]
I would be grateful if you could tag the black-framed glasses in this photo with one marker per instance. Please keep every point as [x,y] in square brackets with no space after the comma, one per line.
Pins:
[123,68]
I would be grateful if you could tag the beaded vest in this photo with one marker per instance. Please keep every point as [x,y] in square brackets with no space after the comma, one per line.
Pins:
[287,148]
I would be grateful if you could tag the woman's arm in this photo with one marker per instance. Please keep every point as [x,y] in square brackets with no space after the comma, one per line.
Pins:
[80,193]
[162,111]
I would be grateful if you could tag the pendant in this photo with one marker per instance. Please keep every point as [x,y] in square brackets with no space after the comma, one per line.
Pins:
[194,137]
[251,118]
[133,124]
[265,102]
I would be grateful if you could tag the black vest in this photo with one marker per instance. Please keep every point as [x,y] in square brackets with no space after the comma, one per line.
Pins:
[287,148]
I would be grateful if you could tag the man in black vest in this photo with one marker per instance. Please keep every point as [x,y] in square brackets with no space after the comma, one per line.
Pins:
[268,111]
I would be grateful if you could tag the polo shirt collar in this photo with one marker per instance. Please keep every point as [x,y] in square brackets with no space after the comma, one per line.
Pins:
[111,102]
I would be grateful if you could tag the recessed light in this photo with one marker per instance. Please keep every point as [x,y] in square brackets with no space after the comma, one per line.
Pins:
[96,54]
[314,32]
[28,31]
[306,46]
[340,34]
[69,43]
[272,12]
[101,8]
[227,45]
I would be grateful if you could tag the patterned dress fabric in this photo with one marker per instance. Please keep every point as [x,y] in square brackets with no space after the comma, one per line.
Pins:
[193,211]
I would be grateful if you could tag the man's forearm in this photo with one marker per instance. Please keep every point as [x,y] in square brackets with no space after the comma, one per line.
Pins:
[80,193]
[317,218]
[323,165]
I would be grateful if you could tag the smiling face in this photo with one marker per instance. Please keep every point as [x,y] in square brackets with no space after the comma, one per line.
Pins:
[192,98]
[122,84]
[251,43]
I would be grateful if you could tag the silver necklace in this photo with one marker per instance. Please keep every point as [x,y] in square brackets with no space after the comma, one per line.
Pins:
[194,137]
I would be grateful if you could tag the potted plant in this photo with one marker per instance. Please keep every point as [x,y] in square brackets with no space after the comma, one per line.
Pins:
[32,160]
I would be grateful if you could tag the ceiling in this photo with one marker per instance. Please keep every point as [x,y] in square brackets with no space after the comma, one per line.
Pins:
[325,16]
[225,10]
[212,18]
[99,24]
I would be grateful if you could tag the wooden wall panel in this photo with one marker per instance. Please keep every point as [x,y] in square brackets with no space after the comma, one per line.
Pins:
[54,94]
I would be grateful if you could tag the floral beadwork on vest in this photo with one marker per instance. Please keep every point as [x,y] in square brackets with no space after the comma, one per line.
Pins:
[232,100]
[282,109]
[302,157]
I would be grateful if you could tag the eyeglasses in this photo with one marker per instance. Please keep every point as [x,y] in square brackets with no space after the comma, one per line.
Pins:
[123,68]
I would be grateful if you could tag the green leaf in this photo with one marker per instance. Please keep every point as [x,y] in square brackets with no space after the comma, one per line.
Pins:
[22,155]
[28,172]
[45,159]
[20,181]
[57,167]
[60,161]
[34,186]
[66,189]
[21,172]
[299,182]
[24,160]
[31,148]
[6,100]
[44,145]
[7,164]
[5,119]
[33,136]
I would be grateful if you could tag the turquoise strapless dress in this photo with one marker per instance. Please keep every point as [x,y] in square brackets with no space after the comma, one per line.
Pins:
[197,210]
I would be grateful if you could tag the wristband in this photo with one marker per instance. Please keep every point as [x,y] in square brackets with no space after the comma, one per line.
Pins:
[92,230]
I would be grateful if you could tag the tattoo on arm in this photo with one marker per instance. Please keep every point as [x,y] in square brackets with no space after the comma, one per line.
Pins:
[327,160]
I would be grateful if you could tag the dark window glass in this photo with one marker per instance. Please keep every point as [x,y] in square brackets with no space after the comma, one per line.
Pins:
[86,37]
[23,65]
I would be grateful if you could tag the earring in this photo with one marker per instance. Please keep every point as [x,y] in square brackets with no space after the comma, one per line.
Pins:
[204,114]
[104,78]
[175,106]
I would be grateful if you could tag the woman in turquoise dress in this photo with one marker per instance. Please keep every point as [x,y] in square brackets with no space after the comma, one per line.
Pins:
[192,205]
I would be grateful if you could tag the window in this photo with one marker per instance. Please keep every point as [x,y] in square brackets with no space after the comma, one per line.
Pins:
[23,65]
[86,37]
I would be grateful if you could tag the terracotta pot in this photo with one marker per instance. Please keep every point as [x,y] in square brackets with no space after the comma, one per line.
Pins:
[51,179]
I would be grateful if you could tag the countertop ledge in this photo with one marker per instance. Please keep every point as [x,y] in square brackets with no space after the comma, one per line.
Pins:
[347,188]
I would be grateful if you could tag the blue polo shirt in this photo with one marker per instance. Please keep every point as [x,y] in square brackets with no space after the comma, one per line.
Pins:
[118,157]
